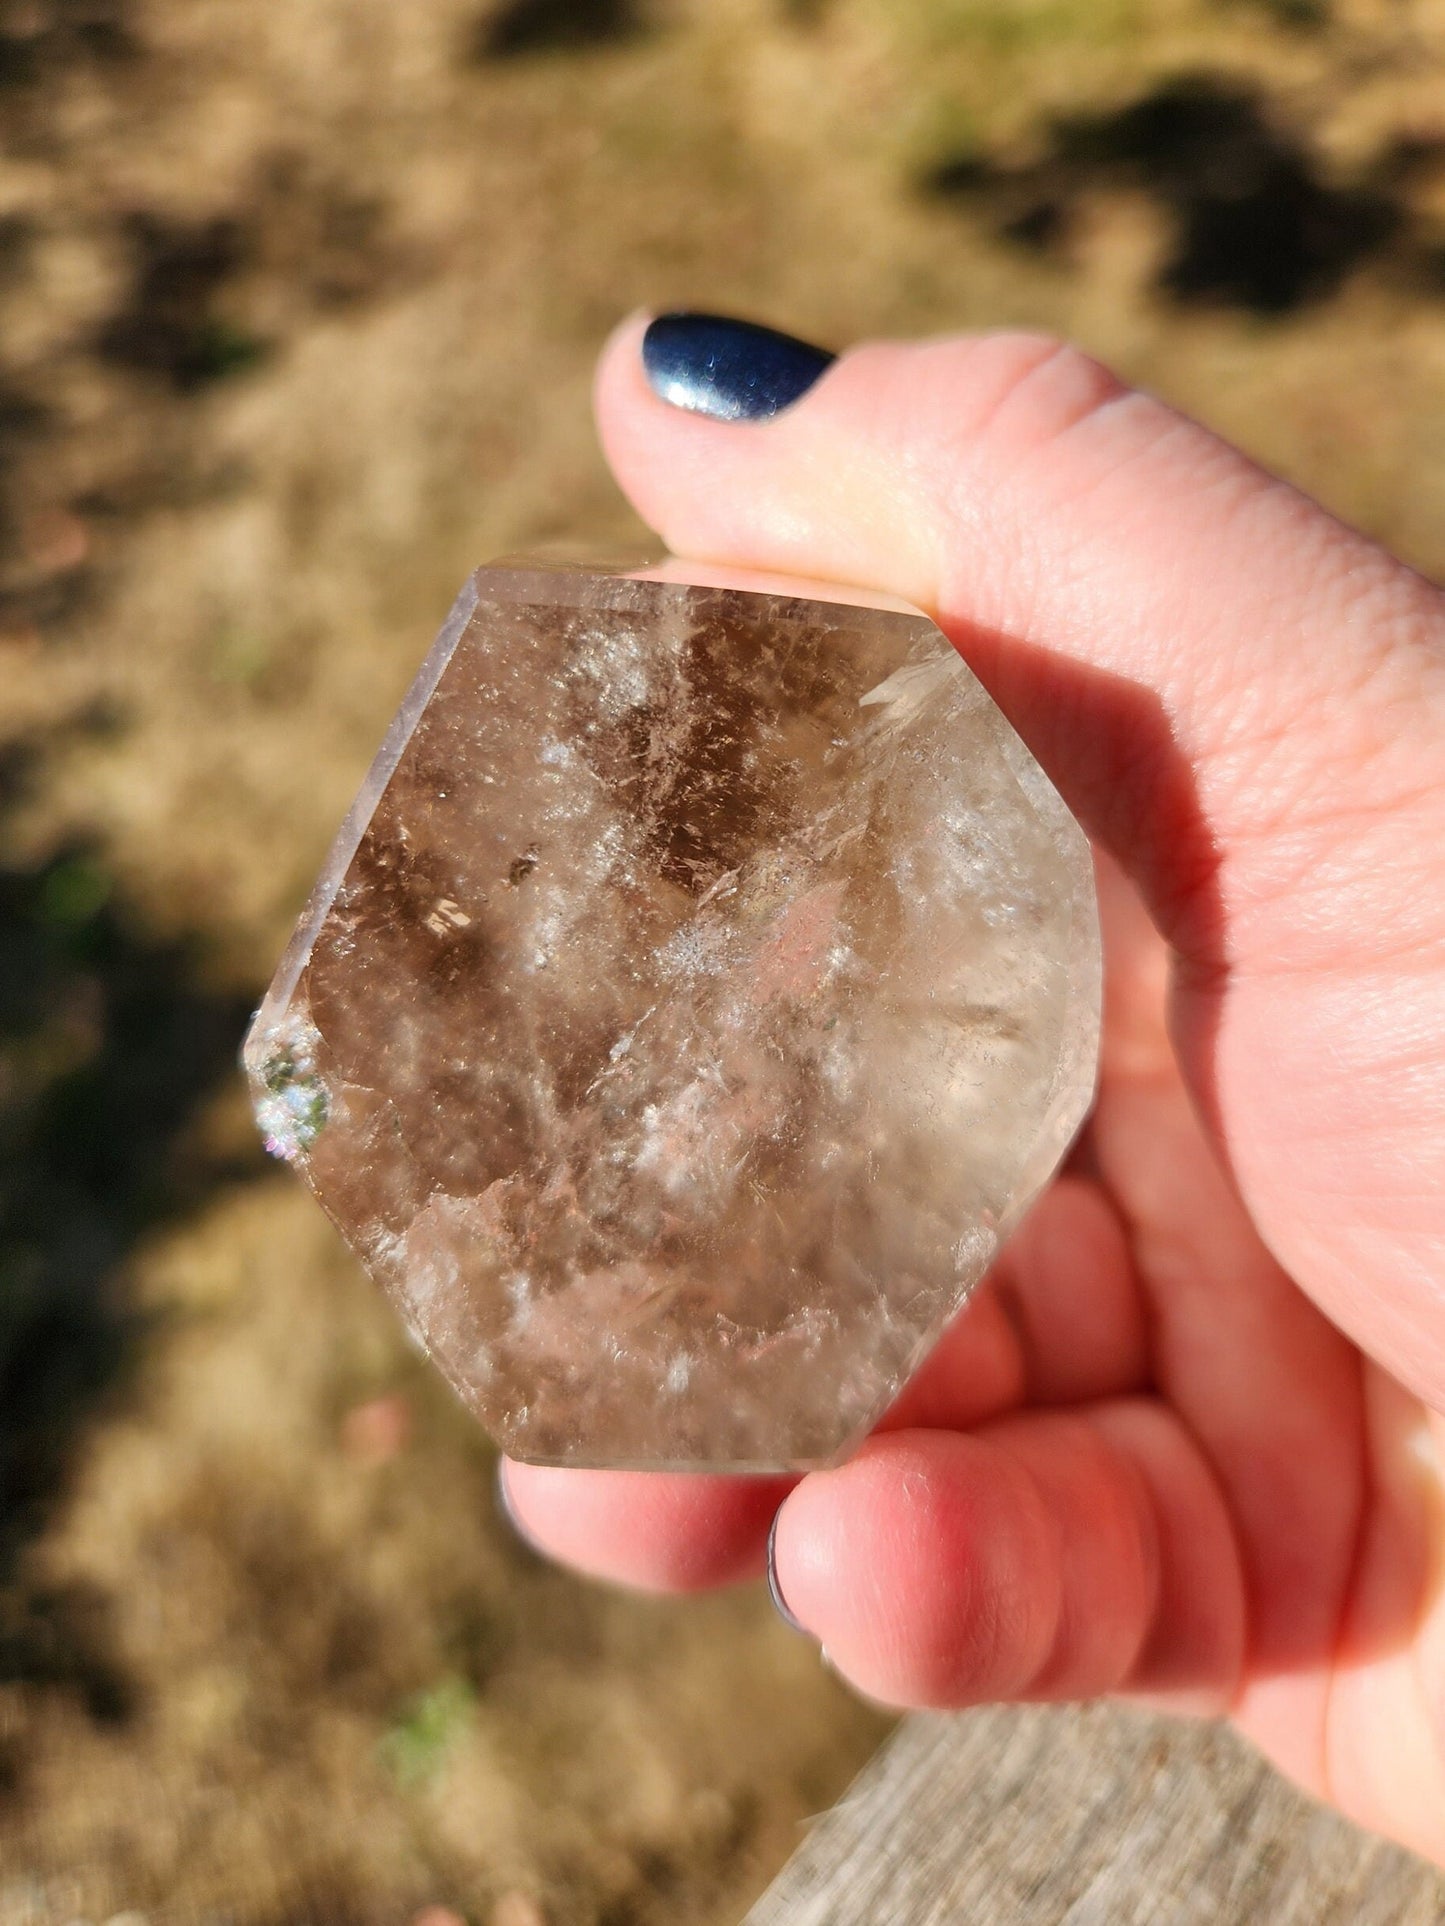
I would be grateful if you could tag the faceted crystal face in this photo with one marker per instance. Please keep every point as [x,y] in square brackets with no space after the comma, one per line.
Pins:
[701,986]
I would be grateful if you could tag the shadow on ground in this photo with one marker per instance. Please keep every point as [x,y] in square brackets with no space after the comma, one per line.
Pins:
[36,40]
[170,325]
[1254,221]
[110,1044]
[540,26]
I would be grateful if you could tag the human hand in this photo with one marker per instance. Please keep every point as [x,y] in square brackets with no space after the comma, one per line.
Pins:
[1183,1443]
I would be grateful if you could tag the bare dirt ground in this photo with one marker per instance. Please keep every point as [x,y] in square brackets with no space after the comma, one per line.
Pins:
[298,303]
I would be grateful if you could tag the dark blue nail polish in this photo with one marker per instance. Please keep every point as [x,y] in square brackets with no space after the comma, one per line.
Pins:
[731,370]
[775,1591]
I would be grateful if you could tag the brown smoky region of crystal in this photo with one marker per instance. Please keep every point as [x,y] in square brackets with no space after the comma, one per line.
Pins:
[702,984]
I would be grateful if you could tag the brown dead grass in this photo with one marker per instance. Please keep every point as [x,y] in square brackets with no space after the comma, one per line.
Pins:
[298,304]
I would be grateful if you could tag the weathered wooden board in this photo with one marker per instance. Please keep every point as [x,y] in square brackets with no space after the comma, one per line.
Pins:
[1087,1817]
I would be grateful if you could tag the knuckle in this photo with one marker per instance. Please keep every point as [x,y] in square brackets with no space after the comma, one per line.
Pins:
[1035,388]
[1002,422]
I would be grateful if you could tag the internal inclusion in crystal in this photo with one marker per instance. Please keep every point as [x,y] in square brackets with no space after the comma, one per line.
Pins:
[703,983]
[292,1104]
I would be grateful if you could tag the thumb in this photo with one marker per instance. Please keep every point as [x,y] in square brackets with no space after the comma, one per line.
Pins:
[1243,698]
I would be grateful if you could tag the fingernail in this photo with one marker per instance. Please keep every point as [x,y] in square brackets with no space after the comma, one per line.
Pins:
[731,370]
[775,1590]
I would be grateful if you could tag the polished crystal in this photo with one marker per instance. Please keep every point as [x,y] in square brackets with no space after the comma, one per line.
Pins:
[703,983]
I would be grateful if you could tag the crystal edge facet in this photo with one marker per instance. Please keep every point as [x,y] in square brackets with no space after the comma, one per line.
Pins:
[353,828]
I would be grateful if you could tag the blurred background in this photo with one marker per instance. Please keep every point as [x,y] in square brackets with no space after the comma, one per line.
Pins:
[298,305]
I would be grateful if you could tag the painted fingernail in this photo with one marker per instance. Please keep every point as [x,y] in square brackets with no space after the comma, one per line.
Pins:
[775,1590]
[731,370]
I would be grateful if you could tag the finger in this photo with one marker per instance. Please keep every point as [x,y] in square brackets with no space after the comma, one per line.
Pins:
[1060,522]
[1067,1279]
[1058,1321]
[1270,1390]
[1383,1757]
[1242,698]
[1053,1556]
[653,1530]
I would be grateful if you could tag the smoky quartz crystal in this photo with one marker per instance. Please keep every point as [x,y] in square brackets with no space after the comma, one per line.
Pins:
[703,983]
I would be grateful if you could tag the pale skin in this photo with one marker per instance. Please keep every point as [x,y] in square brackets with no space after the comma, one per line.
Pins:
[1184,1444]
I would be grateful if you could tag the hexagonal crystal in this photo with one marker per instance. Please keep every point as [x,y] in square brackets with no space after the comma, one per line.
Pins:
[703,983]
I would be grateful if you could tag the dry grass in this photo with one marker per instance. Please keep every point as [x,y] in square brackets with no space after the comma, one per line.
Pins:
[297,309]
